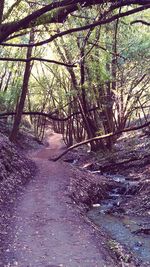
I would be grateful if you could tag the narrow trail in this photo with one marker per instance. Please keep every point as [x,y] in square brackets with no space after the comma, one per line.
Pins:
[47,231]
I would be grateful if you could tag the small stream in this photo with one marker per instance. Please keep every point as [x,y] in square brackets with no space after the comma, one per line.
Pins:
[130,231]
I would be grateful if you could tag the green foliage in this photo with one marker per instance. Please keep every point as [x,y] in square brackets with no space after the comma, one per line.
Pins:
[115,90]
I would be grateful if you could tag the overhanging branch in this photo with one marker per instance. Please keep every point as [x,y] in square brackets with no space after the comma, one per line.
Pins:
[38,59]
[86,27]
[50,116]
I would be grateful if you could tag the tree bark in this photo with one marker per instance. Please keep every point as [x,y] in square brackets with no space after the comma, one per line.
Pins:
[2,2]
[20,108]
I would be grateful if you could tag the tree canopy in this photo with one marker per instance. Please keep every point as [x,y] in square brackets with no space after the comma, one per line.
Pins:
[58,11]
[82,64]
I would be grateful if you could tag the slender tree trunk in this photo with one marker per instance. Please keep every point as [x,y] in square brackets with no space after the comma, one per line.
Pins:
[20,108]
[2,79]
[2,2]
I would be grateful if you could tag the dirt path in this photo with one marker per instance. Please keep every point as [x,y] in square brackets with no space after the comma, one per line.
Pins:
[47,231]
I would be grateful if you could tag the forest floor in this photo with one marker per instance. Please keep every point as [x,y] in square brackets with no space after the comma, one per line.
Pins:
[129,158]
[46,229]
[48,226]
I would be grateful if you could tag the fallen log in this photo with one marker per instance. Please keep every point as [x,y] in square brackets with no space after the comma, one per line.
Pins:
[115,165]
[101,137]
[145,231]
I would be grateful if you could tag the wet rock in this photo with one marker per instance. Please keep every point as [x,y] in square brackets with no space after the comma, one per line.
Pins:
[91,166]
[145,231]
[69,160]
[119,210]
[132,190]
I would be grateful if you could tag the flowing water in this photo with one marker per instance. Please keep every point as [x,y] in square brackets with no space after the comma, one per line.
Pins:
[132,232]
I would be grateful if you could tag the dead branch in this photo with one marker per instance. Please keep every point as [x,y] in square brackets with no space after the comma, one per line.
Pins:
[115,165]
[51,116]
[38,59]
[140,21]
[101,137]
[77,29]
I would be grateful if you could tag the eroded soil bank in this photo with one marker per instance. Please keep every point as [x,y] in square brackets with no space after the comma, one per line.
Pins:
[15,173]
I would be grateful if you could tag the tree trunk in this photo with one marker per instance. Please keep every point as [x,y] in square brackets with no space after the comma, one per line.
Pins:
[20,108]
[2,2]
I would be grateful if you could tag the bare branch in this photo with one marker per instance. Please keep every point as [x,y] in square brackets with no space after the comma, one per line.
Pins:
[86,27]
[50,116]
[106,50]
[38,59]
[102,137]
[140,21]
